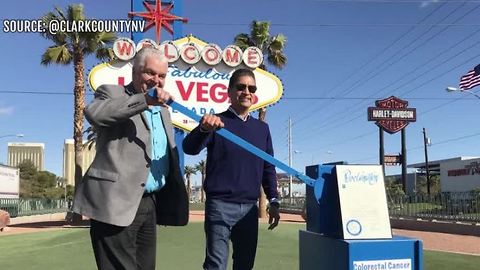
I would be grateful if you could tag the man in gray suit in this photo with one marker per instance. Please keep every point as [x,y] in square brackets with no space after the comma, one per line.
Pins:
[134,181]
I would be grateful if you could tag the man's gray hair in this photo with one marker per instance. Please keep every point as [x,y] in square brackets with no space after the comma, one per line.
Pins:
[139,60]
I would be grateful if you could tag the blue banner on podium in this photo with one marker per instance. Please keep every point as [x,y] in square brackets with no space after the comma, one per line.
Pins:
[325,253]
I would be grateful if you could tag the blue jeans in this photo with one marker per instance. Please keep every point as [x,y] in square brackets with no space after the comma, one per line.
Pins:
[225,221]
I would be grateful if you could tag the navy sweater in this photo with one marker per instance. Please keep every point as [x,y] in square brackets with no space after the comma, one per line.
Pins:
[234,174]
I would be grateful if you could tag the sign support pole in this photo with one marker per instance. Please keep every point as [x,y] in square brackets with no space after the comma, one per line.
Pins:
[404,162]
[177,33]
[392,115]
[382,149]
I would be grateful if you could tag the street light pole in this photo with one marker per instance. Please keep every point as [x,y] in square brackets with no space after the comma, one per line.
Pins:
[65,191]
[290,157]
[18,135]
[12,135]
[425,144]
[454,89]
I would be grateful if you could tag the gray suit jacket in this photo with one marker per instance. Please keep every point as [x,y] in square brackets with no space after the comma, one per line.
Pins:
[113,186]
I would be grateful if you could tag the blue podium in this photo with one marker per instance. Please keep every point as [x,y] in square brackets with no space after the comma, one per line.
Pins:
[327,243]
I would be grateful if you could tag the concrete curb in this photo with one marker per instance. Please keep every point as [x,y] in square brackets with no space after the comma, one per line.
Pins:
[436,226]
[38,218]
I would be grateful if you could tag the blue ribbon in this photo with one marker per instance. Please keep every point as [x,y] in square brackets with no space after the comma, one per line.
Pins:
[249,147]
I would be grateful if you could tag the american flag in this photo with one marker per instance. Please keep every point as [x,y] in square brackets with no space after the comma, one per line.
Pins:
[471,79]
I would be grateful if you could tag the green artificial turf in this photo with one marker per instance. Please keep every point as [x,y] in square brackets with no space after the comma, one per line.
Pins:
[178,248]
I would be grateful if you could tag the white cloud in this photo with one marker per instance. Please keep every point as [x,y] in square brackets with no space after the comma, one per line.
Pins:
[6,110]
[428,2]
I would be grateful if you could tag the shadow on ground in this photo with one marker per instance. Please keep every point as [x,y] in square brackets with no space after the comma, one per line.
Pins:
[53,224]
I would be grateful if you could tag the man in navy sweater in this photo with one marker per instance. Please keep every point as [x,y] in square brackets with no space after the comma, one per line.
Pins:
[234,176]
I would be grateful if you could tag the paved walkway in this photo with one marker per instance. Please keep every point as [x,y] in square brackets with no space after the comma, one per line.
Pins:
[463,244]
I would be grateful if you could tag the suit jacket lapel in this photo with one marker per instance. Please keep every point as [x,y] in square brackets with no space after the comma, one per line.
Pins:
[144,119]
[167,124]
[130,91]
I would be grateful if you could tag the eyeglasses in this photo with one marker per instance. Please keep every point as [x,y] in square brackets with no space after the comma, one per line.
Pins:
[241,87]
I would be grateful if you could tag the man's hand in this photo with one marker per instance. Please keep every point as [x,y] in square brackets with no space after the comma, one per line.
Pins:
[274,215]
[210,123]
[159,99]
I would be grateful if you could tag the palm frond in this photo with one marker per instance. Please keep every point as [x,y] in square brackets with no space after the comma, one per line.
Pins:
[276,55]
[105,54]
[97,41]
[61,13]
[75,12]
[243,41]
[57,55]
[277,59]
[201,165]
[277,43]
[91,138]
[90,130]
[189,170]
[106,38]
[59,38]
[260,33]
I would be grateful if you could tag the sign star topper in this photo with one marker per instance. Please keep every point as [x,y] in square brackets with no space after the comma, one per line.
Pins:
[159,17]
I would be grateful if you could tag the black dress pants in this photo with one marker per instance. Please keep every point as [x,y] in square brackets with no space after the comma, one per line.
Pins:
[127,248]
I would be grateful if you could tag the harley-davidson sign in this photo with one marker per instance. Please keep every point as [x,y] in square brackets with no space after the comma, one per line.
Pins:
[392,114]
[392,160]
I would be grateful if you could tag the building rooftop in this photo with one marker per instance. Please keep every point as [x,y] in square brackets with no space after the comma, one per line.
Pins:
[26,144]
[434,165]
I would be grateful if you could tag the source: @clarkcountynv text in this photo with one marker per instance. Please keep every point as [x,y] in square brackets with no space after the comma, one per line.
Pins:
[55,26]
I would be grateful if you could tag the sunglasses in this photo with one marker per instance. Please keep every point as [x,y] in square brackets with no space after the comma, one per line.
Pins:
[242,87]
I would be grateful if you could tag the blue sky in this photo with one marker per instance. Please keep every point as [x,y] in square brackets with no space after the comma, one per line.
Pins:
[342,56]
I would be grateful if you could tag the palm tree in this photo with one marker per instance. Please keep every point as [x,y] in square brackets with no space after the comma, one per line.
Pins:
[202,167]
[91,137]
[73,47]
[189,170]
[273,48]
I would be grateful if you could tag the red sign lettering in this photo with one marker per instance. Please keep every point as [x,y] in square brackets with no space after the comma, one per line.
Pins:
[232,58]
[124,48]
[192,55]
[218,96]
[201,91]
[185,94]
[167,55]
[252,57]
[211,54]
[216,92]
[121,80]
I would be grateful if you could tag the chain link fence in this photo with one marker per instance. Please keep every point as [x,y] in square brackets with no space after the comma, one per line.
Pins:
[30,207]
[445,206]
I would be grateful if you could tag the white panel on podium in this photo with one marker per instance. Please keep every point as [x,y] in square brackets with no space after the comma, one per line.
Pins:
[363,202]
